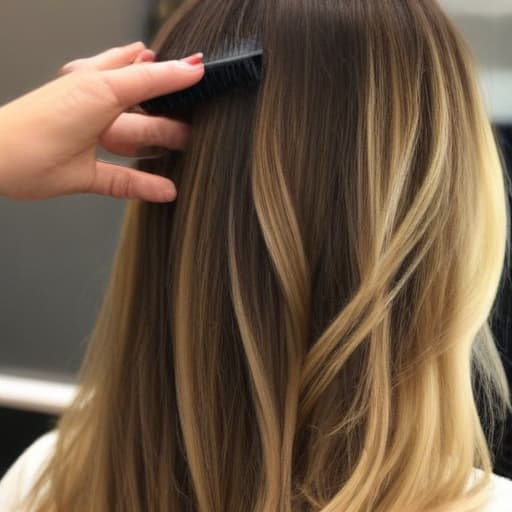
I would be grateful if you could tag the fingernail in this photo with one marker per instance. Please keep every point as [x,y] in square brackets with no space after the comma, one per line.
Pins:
[196,58]
[147,56]
[138,44]
[187,66]
[170,193]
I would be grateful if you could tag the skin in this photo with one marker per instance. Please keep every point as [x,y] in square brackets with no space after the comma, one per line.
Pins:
[49,137]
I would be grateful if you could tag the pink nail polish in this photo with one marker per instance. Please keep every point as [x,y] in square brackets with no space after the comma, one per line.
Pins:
[189,67]
[196,58]
[148,56]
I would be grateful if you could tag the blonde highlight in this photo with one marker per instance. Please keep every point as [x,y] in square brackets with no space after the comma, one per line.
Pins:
[301,330]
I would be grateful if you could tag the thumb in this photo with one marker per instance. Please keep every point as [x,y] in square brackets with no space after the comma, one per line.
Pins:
[125,183]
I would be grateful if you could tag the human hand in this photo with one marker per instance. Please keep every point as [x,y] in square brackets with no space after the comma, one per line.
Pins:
[49,137]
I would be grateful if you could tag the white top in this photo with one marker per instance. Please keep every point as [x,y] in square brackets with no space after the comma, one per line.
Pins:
[18,480]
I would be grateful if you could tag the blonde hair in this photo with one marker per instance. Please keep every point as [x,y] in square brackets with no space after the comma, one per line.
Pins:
[300,330]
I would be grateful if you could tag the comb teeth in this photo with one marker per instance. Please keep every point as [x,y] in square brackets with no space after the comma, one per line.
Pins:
[238,69]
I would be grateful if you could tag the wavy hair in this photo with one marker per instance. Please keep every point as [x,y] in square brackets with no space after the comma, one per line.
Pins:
[301,329]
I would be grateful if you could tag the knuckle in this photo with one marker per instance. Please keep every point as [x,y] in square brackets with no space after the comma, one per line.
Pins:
[127,185]
[146,74]
[117,96]
[72,66]
[149,133]
[64,70]
[111,187]
[174,135]
[121,185]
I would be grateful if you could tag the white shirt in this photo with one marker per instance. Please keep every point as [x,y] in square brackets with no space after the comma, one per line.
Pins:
[18,481]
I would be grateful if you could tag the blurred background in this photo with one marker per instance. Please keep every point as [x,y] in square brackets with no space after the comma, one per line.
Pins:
[55,255]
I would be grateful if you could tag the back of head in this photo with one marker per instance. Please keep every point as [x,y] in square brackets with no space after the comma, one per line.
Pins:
[299,330]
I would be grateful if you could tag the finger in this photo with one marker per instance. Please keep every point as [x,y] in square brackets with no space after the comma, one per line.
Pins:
[125,183]
[130,132]
[110,59]
[132,84]
[145,56]
[195,58]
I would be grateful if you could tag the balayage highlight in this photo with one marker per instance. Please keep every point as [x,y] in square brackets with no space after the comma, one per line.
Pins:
[300,330]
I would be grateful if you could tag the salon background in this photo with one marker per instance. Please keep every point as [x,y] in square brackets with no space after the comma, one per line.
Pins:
[55,254]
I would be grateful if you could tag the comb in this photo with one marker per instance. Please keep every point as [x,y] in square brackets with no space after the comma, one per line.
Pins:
[235,69]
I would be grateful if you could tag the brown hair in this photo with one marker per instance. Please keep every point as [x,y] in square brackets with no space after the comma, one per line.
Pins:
[299,331]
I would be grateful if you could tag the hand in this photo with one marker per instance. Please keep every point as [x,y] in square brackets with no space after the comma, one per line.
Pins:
[49,137]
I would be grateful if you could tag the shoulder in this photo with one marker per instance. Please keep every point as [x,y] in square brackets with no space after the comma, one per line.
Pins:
[501,495]
[20,477]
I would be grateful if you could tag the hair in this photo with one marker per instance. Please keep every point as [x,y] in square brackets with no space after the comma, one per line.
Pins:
[301,330]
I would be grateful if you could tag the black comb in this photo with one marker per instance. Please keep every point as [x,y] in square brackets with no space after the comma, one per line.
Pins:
[233,70]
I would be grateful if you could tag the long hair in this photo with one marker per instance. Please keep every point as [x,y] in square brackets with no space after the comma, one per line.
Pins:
[301,329]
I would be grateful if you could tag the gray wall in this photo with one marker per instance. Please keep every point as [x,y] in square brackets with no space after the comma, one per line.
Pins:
[488,26]
[55,254]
